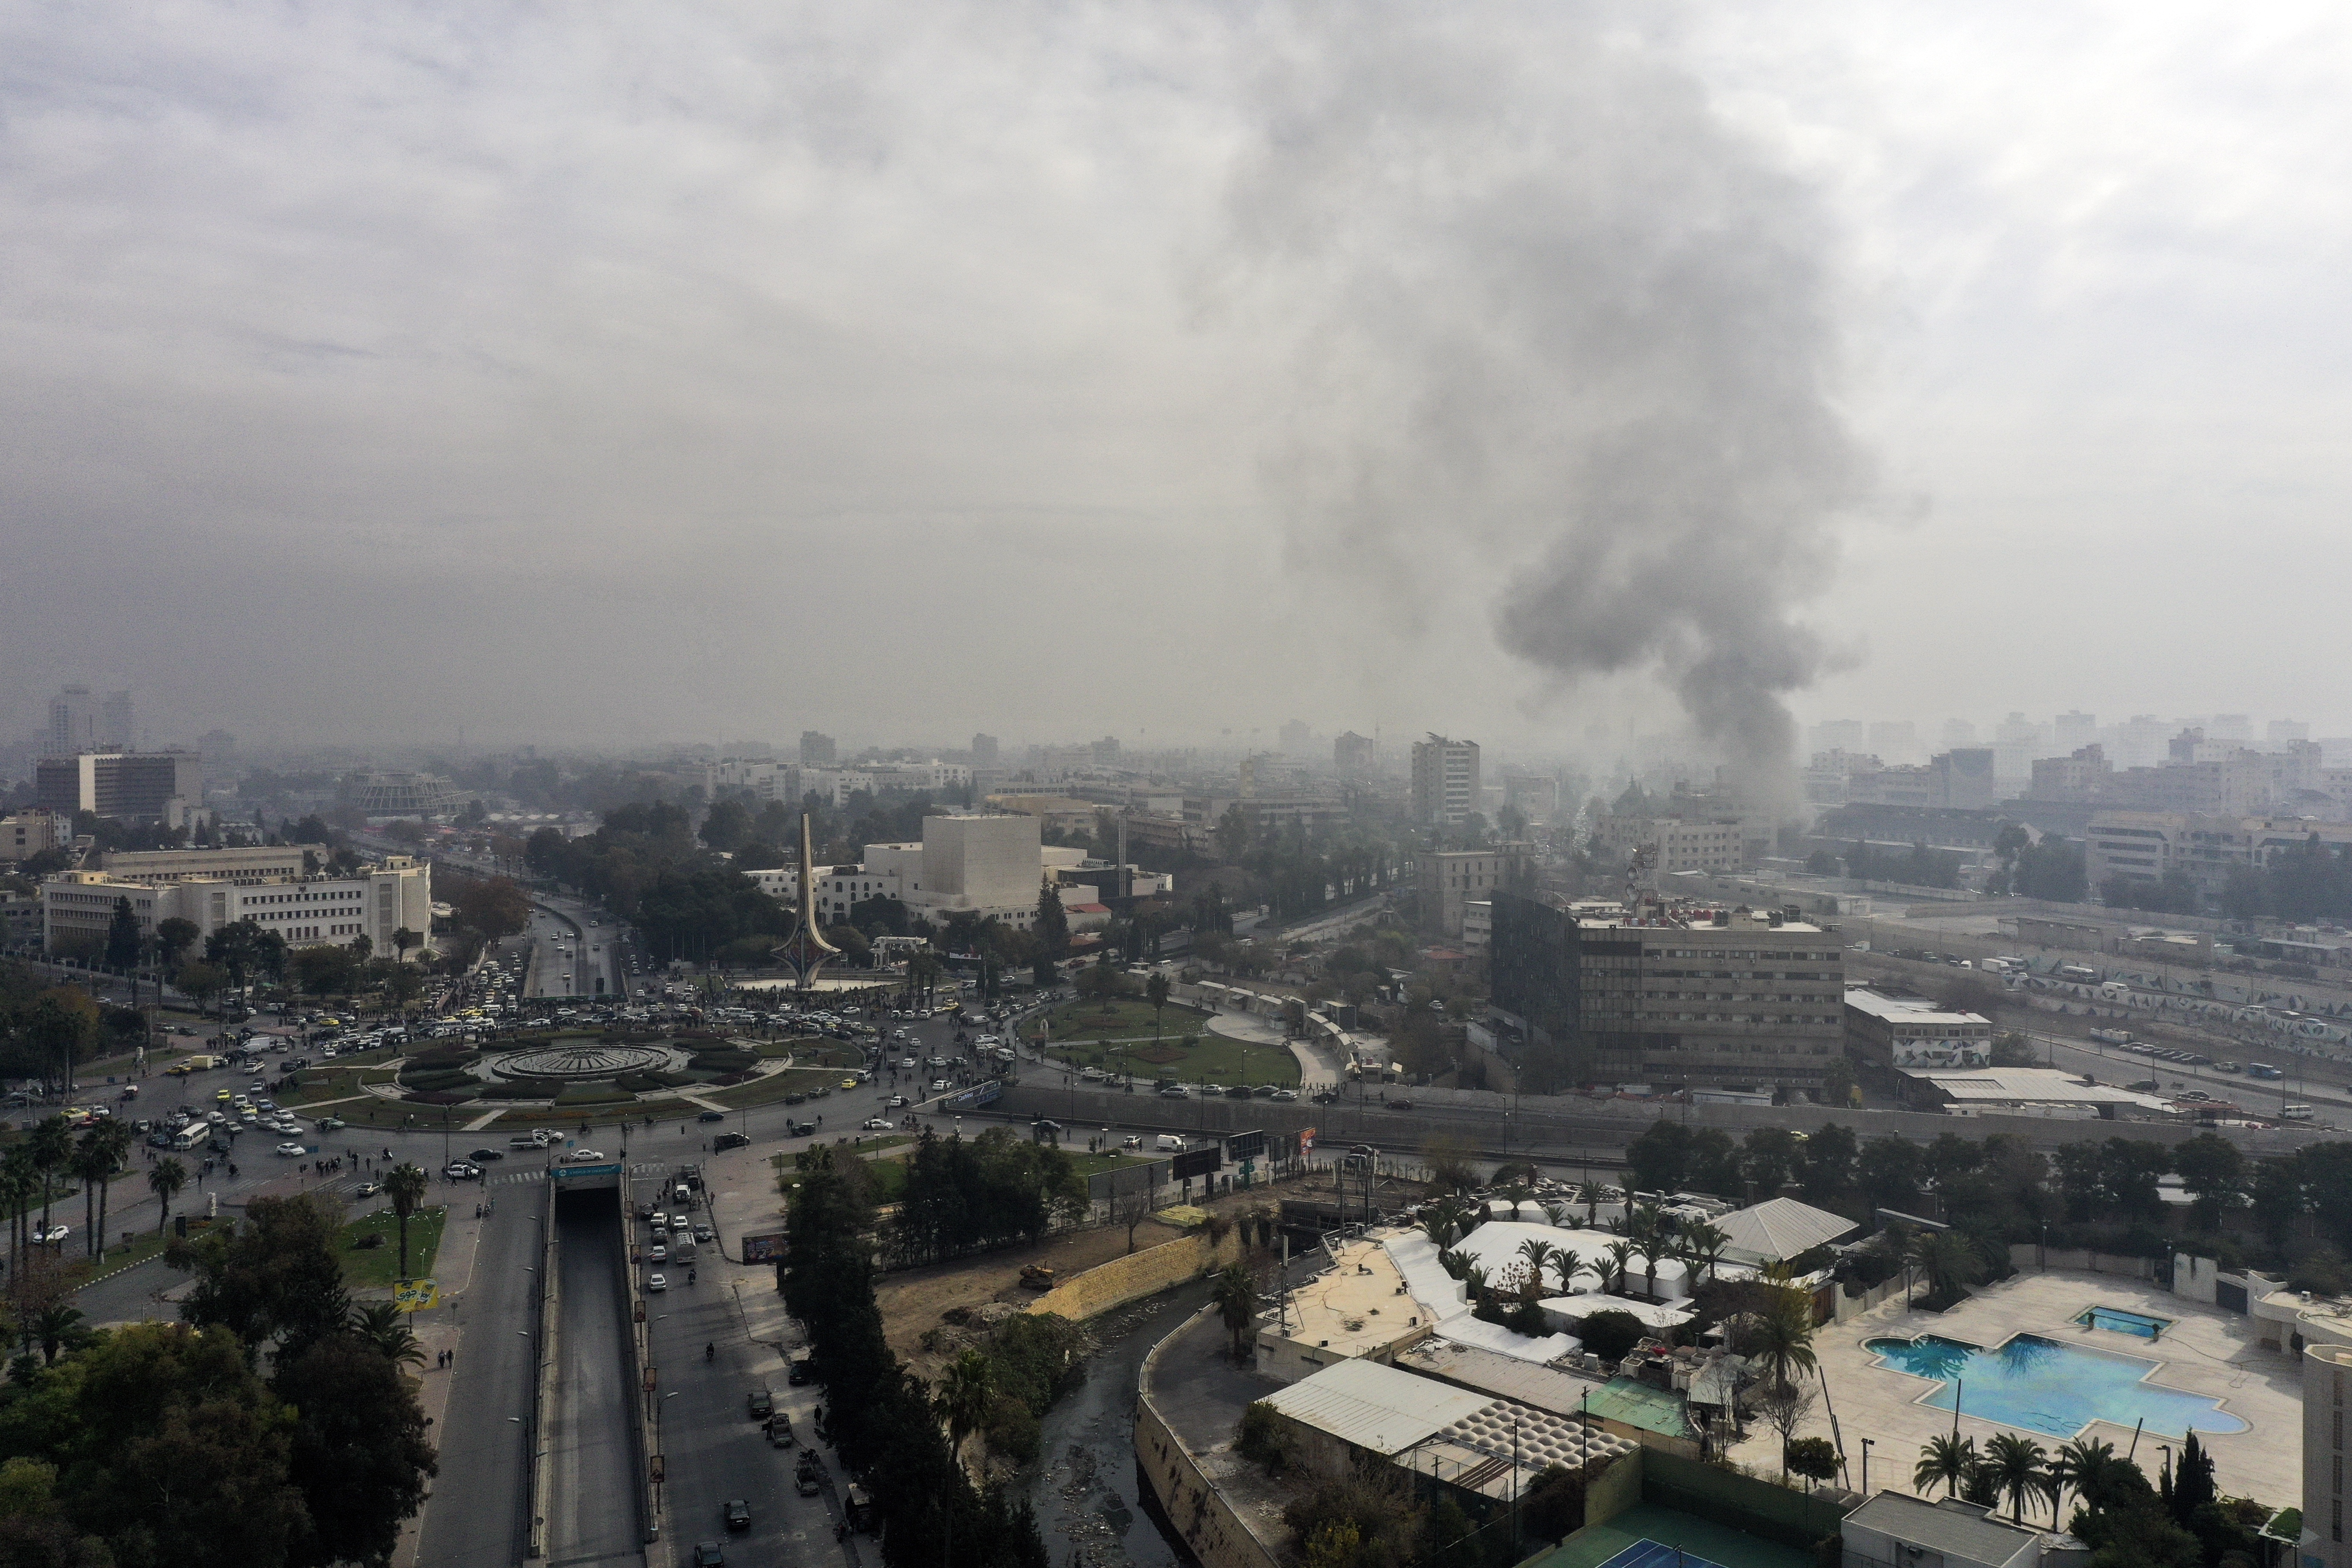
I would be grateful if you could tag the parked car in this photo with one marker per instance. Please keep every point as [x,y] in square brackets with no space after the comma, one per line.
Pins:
[711,1116]
[727,1141]
[707,1554]
[875,1124]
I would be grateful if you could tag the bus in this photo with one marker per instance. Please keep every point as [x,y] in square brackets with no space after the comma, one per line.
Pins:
[192,1136]
[2295,1113]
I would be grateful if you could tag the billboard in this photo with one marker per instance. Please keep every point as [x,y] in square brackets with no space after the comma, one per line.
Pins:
[974,1097]
[1194,1163]
[1242,1146]
[765,1249]
[416,1295]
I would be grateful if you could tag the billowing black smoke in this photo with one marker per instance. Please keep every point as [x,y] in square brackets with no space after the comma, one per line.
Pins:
[1564,329]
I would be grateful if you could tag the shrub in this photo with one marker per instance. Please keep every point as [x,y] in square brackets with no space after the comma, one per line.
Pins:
[1011,1430]
[1527,1319]
[1611,1335]
[1259,1438]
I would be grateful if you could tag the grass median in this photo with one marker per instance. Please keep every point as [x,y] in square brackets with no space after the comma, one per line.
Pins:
[379,1266]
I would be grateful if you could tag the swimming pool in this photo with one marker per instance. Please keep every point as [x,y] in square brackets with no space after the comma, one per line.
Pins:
[2044,1385]
[2123,1323]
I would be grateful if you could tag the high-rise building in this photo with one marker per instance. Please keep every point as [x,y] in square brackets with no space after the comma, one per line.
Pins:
[816,749]
[2073,731]
[983,750]
[1959,732]
[1894,739]
[2281,731]
[1293,738]
[1104,751]
[114,721]
[1353,754]
[73,722]
[138,787]
[1445,780]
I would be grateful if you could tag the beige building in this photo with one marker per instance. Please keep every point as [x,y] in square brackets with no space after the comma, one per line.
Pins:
[1715,843]
[2327,1369]
[1450,880]
[1755,1001]
[29,833]
[374,901]
[2144,846]
[139,786]
[1889,1028]
[258,863]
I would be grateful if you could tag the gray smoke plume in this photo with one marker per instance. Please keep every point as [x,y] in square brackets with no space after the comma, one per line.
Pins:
[1564,330]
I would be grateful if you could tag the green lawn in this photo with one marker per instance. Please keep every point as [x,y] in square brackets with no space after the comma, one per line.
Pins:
[772,1089]
[1214,1058]
[1127,1019]
[380,1266]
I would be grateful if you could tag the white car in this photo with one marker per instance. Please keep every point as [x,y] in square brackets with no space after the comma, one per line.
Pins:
[292,1151]
[656,1282]
[877,1125]
[658,1253]
[583,1157]
[55,1235]
[679,1222]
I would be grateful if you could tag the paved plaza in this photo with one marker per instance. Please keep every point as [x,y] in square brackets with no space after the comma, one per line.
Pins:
[2206,1350]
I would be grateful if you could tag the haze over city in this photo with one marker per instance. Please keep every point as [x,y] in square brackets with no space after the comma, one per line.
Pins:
[1253,785]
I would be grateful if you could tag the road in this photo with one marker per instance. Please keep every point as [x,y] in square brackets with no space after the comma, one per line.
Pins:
[593,1515]
[476,1516]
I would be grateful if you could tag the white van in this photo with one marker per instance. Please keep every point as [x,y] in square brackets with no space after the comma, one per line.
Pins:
[1170,1143]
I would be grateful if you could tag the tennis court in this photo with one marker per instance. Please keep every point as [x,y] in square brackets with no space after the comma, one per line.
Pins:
[1658,1555]
[1647,1536]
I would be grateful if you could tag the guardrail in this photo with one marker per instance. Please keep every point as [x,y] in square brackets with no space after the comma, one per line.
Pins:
[541,1469]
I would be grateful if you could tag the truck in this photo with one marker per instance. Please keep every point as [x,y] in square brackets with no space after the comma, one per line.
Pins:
[197,1064]
[2112,1037]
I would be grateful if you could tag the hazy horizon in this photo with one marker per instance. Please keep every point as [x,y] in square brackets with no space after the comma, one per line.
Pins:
[1521,372]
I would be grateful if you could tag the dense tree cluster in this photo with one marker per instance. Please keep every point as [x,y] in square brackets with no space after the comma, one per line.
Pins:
[273,1428]
[883,1419]
[2049,868]
[966,1193]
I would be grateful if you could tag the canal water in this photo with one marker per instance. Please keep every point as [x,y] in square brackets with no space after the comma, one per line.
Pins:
[1085,1488]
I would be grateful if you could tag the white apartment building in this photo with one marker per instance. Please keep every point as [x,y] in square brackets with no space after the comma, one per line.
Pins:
[1448,880]
[1713,843]
[1445,780]
[374,901]
[2145,844]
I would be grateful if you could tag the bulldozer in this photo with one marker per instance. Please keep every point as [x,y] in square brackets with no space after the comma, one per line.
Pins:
[1037,1276]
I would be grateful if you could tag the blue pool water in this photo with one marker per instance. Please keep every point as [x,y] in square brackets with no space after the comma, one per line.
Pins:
[2123,1322]
[2044,1386]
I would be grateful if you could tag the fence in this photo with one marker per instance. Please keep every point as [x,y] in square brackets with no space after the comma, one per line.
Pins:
[1744,1503]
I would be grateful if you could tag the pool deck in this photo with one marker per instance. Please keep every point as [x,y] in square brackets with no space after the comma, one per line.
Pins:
[2206,1352]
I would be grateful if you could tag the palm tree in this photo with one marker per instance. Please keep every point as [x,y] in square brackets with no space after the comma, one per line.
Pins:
[51,1148]
[17,1187]
[1438,1225]
[1474,1276]
[966,1390]
[165,1179]
[1566,1262]
[1945,1460]
[1537,1251]
[2016,1464]
[52,1328]
[1234,1296]
[385,1327]
[90,1165]
[2082,1465]
[1621,1257]
[1155,991]
[1950,1262]
[404,1185]
[1704,1244]
[113,1140]
[1556,1213]
[1784,1335]
[1515,1195]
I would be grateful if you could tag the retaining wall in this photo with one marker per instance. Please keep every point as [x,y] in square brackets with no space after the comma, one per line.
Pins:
[2030,1255]
[1140,1274]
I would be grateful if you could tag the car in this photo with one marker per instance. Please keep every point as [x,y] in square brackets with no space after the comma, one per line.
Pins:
[1283,1097]
[1239,1091]
[704,1232]
[461,1170]
[727,1141]
[332,1125]
[583,1157]
[807,1481]
[1175,1091]
[897,1102]
[1398,1104]
[1132,1141]
[53,1236]
[707,1555]
[658,1253]
[1326,1096]
[484,1156]
[656,1282]
[849,1083]
[291,1150]
[367,1189]
[679,1222]
[800,1371]
[711,1116]
[739,1514]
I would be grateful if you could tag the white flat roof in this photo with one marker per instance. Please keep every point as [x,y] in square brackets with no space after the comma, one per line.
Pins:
[1375,1407]
[1907,1009]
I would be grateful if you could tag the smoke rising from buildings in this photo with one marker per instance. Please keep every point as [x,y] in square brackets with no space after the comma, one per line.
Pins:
[1564,316]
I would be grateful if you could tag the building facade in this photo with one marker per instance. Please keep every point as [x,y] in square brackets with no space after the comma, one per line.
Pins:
[376,902]
[36,832]
[2144,846]
[1444,781]
[1354,756]
[1450,880]
[1885,1028]
[133,786]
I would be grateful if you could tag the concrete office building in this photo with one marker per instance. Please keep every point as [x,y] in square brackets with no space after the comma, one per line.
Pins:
[983,750]
[1444,781]
[81,722]
[2144,846]
[1711,842]
[1354,756]
[816,749]
[133,786]
[1674,995]
[1887,1029]
[2327,1369]
[254,863]
[1449,880]
[374,901]
[34,832]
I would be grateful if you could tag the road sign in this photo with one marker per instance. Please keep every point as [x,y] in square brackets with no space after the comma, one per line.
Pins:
[416,1295]
[1242,1146]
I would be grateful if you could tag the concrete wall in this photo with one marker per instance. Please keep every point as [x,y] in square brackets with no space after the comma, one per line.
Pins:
[1140,1274]
[1618,1488]
[2028,1254]
[1199,1513]
[1855,1306]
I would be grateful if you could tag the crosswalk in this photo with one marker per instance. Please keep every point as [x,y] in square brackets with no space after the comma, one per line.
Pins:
[538,1173]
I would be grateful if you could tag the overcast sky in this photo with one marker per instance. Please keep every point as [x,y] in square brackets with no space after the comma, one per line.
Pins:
[696,372]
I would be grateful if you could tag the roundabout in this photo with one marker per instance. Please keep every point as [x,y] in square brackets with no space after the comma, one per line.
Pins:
[580,1061]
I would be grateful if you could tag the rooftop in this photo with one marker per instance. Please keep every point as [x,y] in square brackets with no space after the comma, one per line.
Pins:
[1637,1405]
[1901,1009]
[2034,1085]
[1963,1529]
[1358,1305]
[1375,1407]
[1780,1228]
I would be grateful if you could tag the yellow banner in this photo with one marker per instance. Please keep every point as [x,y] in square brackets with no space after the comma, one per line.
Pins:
[416,1295]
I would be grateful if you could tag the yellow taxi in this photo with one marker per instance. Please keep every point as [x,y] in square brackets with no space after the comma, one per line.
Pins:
[222,1095]
[849,1083]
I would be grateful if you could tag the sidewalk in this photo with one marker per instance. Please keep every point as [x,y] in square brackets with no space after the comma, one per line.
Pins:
[437,1330]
